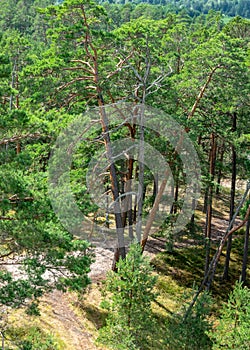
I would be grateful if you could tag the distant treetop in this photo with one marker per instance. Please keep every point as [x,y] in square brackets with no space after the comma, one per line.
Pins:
[229,8]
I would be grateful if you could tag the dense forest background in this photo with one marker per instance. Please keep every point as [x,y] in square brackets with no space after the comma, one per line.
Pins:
[60,61]
[193,8]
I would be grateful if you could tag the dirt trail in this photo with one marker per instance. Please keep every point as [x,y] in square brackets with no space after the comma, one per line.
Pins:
[60,317]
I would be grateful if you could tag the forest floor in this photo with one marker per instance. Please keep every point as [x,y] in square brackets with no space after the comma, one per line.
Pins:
[76,322]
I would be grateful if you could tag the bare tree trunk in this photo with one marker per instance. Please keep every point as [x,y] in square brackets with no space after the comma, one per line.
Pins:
[245,253]
[107,208]
[176,190]
[193,206]
[232,199]
[208,224]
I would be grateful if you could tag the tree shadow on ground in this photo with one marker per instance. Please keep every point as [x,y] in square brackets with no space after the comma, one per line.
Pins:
[95,315]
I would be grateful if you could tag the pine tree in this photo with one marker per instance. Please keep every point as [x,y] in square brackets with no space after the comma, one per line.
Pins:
[130,320]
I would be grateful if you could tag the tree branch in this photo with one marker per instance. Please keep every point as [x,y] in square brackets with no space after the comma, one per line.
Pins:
[203,89]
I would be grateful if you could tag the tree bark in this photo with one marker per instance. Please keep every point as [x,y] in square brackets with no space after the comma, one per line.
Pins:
[245,253]
[193,207]
[221,152]
[176,191]
[232,199]
[92,54]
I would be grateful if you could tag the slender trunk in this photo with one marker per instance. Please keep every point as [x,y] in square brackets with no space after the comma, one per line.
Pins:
[199,139]
[219,175]
[193,206]
[124,202]
[202,91]
[210,200]
[245,253]
[140,176]
[107,208]
[172,196]
[128,205]
[232,199]
[205,201]
[176,194]
[206,192]
[127,202]
[156,184]
[174,206]
[18,147]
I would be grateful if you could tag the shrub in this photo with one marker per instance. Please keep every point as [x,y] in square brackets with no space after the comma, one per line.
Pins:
[191,333]
[130,320]
[233,331]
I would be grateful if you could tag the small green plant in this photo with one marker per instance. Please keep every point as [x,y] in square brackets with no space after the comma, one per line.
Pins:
[32,338]
[233,331]
[130,321]
[190,333]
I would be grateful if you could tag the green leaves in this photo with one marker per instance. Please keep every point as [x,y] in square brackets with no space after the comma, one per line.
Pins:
[233,330]
[130,319]
[190,334]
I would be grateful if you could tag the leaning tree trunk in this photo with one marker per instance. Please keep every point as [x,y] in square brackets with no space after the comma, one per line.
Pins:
[208,278]
[232,199]
[245,253]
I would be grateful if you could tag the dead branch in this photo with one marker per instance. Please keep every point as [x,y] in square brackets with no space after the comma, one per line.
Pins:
[16,138]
